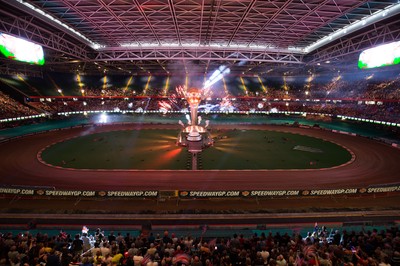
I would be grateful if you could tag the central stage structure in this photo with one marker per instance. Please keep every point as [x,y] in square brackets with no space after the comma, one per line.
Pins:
[193,96]
[194,136]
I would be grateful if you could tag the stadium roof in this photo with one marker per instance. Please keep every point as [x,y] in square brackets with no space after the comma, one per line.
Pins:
[166,36]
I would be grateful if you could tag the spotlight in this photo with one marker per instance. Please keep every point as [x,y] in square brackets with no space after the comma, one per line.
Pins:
[103,118]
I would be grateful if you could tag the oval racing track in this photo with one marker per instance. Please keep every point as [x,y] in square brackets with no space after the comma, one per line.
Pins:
[375,163]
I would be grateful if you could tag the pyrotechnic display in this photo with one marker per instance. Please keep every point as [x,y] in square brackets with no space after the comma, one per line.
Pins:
[194,135]
[194,131]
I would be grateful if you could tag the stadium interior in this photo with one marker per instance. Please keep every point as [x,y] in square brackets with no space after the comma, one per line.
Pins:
[318,70]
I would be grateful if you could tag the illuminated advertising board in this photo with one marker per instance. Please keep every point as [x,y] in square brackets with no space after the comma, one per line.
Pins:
[383,55]
[21,50]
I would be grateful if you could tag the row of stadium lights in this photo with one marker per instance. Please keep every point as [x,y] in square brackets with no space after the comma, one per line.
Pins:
[22,118]
[207,112]
[234,112]
[368,120]
[186,111]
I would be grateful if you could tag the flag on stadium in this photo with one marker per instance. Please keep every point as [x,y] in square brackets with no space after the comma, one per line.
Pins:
[146,259]
[85,230]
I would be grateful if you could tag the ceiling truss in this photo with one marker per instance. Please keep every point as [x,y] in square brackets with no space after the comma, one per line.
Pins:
[199,54]
[369,37]
[141,36]
[27,27]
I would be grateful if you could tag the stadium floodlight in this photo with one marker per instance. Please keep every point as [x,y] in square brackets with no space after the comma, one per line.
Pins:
[216,76]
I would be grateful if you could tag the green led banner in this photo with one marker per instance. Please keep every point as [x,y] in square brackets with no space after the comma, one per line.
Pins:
[21,50]
[383,55]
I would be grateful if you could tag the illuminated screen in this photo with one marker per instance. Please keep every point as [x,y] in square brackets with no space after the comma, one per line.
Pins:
[21,50]
[383,55]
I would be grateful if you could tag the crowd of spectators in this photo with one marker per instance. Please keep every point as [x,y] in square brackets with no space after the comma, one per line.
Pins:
[321,247]
[383,111]
[105,91]
[338,88]
[362,98]
[12,108]
[389,90]
[335,87]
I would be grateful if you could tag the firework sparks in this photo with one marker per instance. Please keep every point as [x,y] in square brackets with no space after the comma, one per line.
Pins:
[164,106]
[226,104]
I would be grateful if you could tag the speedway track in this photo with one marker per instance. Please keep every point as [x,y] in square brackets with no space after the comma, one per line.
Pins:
[374,163]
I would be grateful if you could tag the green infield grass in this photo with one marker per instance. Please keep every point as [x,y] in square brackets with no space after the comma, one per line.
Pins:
[260,149]
[233,149]
[127,149]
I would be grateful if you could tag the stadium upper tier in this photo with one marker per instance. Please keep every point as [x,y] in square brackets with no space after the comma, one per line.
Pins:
[382,85]
[368,95]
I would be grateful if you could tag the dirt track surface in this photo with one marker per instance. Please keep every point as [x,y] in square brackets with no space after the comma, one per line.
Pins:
[375,163]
